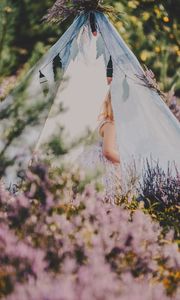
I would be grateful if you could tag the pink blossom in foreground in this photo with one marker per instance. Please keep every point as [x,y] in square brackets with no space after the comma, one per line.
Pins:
[76,247]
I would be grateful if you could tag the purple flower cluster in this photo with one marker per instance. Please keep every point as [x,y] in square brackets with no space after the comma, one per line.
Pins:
[71,245]
[148,79]
[173,104]
[160,192]
[161,186]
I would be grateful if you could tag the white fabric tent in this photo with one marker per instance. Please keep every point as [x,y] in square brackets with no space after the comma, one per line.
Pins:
[145,127]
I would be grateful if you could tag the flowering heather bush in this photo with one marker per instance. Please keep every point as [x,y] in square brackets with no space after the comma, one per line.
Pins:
[59,240]
[160,192]
[173,103]
[148,79]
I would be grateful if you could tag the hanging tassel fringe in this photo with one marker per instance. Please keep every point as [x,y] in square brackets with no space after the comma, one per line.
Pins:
[44,82]
[92,20]
[57,66]
[42,78]
[109,71]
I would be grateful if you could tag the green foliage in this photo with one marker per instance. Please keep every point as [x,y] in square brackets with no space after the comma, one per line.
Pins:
[22,32]
[168,217]
[8,13]
[149,27]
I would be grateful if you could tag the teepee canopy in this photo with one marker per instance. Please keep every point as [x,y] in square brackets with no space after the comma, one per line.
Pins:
[73,74]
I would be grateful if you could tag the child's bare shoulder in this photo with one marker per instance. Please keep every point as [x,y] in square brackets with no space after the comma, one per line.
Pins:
[106,126]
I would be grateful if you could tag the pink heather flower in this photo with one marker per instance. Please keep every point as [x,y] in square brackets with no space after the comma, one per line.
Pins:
[80,254]
[171,252]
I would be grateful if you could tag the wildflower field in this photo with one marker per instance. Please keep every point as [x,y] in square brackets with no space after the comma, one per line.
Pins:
[60,240]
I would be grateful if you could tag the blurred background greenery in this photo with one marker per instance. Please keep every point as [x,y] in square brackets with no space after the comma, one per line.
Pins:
[149,27]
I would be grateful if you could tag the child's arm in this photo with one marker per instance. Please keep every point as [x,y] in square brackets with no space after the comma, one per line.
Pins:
[109,142]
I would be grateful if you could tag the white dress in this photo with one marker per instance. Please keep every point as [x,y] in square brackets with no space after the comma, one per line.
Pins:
[92,159]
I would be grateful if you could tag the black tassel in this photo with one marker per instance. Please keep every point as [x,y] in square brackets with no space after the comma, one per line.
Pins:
[109,72]
[92,19]
[57,65]
[42,78]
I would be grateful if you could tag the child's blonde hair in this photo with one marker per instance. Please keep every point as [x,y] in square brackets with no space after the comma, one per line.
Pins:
[107,111]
